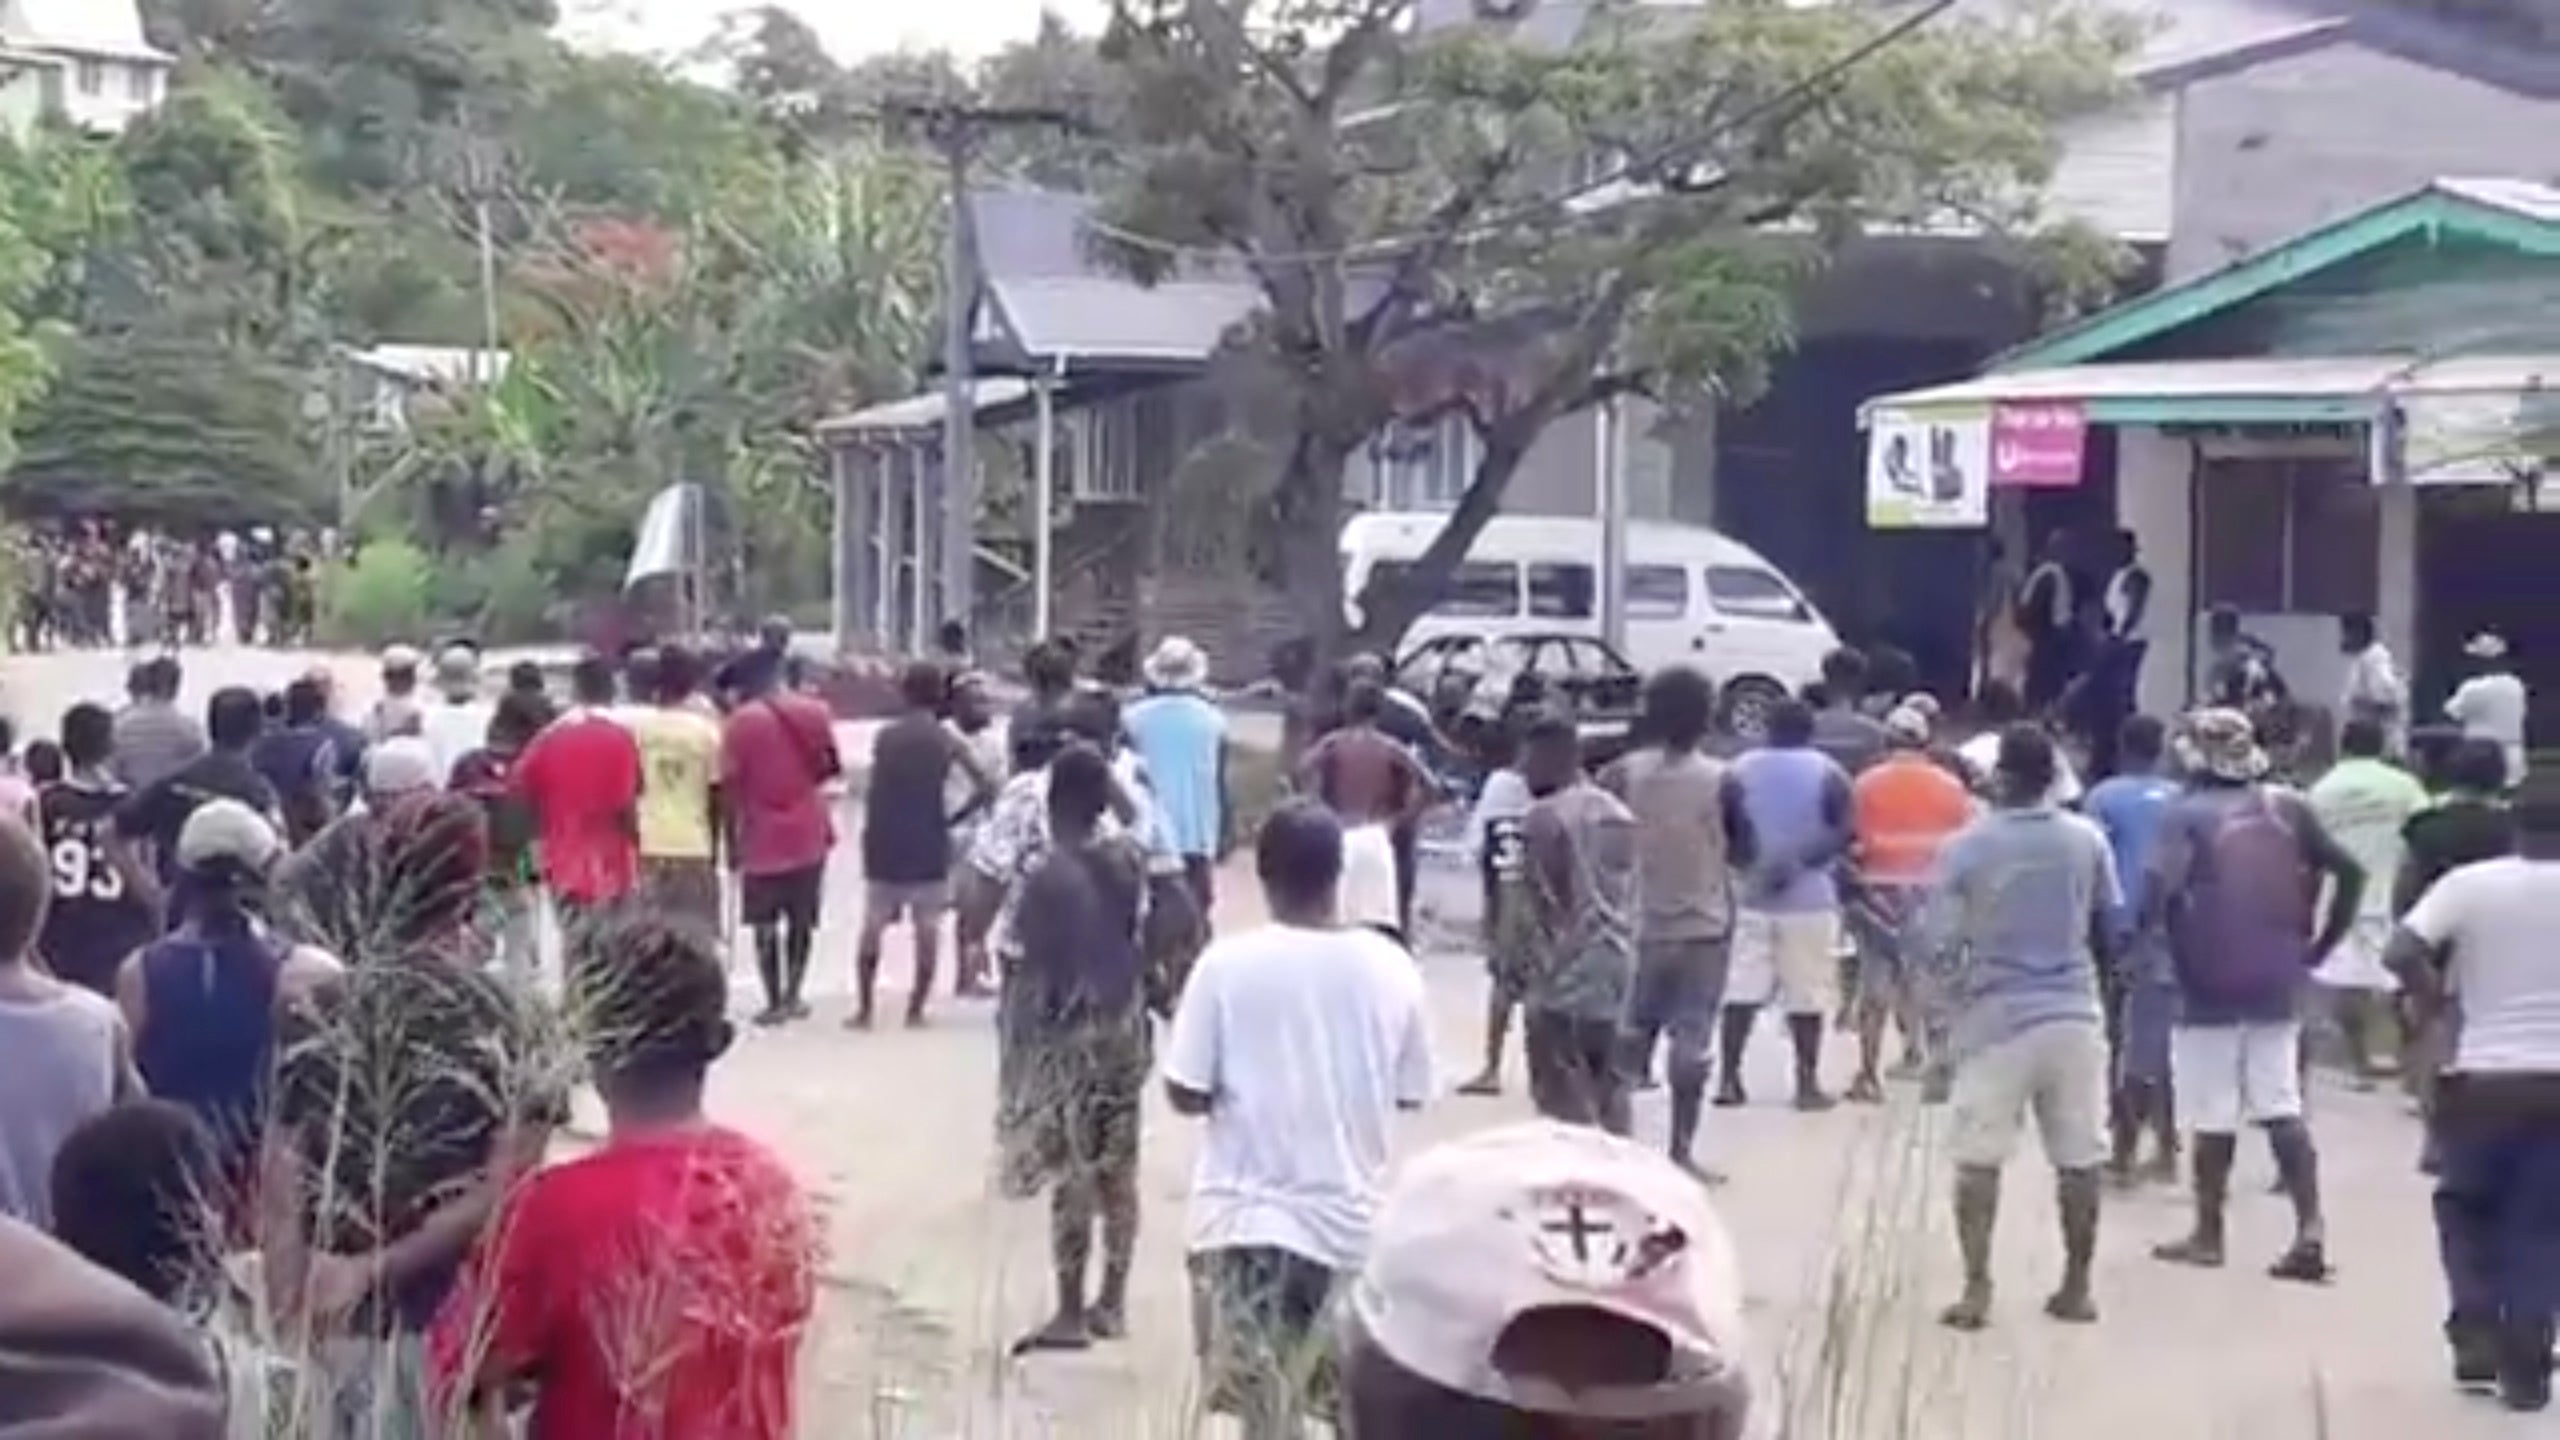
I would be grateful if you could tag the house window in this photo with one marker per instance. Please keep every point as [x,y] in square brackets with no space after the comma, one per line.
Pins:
[1425,465]
[138,83]
[2282,536]
[92,76]
[1101,453]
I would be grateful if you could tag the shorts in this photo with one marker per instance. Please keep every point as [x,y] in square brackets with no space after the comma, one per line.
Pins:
[688,888]
[1679,988]
[2357,962]
[886,902]
[1258,1325]
[1879,924]
[2230,1075]
[1792,959]
[791,896]
[1574,1074]
[1071,1103]
[2058,1073]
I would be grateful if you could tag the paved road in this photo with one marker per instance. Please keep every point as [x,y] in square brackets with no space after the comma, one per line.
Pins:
[1839,1219]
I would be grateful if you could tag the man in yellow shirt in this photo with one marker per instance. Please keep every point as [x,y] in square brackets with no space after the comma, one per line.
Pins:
[679,785]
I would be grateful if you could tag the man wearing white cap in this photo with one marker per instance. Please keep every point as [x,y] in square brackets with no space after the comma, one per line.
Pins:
[1182,738]
[1549,1280]
[456,722]
[2492,704]
[396,713]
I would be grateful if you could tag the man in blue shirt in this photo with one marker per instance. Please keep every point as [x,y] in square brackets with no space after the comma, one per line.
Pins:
[2142,996]
[1182,739]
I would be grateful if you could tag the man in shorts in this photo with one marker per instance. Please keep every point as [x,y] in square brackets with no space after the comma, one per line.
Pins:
[1692,841]
[1787,936]
[906,836]
[777,757]
[1545,1280]
[1905,806]
[2023,902]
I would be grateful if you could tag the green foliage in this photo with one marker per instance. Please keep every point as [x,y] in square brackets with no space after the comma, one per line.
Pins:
[170,431]
[1532,229]
[379,596]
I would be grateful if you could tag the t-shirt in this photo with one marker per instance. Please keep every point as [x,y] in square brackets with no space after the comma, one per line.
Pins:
[1182,738]
[2129,808]
[679,764]
[1307,1042]
[1903,809]
[1581,844]
[582,778]
[2492,707]
[452,730]
[1684,869]
[1854,741]
[159,810]
[2366,804]
[2236,864]
[661,1286]
[2019,895]
[777,752]
[2448,834]
[62,1054]
[152,739]
[2496,918]
[904,838]
[94,921]
[1981,756]
[1079,925]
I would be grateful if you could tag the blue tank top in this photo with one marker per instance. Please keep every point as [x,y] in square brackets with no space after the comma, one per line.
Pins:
[210,1041]
[1782,792]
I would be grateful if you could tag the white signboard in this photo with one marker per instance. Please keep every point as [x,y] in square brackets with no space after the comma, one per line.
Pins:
[1929,468]
[2489,438]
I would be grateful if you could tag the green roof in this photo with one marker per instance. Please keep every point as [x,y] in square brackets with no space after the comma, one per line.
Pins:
[2516,214]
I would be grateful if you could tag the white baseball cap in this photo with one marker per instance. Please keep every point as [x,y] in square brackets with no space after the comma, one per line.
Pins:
[1485,1230]
[223,831]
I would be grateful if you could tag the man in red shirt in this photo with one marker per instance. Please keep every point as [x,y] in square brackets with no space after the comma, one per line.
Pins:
[662,1286]
[581,776]
[777,754]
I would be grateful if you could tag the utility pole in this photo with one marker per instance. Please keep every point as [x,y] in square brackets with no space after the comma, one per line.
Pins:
[957,132]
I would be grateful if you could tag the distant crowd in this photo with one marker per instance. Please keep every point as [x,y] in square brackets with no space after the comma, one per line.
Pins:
[91,585]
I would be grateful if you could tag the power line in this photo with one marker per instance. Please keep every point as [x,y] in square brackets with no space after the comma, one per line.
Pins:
[1662,158]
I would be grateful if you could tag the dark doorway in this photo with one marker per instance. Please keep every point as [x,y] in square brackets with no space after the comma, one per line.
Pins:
[2483,566]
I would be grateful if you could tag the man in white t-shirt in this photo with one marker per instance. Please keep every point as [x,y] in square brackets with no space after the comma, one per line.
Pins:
[2479,942]
[1297,1042]
[456,722]
[2493,703]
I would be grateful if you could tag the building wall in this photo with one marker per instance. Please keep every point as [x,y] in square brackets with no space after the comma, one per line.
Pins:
[2155,501]
[107,94]
[2268,152]
[22,99]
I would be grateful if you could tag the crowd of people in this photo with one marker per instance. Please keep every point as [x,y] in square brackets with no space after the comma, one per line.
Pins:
[268,986]
[94,586]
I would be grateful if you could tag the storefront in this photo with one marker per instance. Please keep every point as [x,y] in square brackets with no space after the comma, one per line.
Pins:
[2292,487]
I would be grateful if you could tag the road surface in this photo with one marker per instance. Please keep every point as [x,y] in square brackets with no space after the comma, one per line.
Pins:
[1839,1219]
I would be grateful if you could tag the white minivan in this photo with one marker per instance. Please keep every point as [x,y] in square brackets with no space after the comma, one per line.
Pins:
[1694,597]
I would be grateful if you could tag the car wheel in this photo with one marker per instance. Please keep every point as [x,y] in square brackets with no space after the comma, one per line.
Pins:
[1747,703]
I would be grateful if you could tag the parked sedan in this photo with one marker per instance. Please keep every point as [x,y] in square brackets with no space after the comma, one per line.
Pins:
[1471,681]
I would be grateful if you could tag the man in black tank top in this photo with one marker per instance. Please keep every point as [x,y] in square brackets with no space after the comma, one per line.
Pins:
[906,834]
[98,915]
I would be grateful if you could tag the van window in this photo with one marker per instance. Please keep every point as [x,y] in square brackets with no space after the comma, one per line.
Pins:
[1743,590]
[1657,592]
[1477,589]
[1560,592]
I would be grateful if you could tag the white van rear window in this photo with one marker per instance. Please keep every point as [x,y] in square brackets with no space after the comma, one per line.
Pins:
[1742,590]
[1477,589]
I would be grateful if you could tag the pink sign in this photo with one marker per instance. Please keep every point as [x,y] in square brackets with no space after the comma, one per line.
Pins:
[2038,443]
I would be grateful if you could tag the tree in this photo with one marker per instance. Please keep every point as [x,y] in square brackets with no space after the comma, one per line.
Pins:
[183,432]
[1463,223]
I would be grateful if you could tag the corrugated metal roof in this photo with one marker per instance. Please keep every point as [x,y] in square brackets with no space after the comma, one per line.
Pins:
[2342,377]
[84,27]
[919,412]
[2531,199]
[1179,321]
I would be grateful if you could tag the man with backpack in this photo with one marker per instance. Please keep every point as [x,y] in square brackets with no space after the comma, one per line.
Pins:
[2232,879]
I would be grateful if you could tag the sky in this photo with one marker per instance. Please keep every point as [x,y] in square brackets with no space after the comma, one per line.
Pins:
[851,28]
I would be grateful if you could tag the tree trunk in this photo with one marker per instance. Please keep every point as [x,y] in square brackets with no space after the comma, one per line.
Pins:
[1388,609]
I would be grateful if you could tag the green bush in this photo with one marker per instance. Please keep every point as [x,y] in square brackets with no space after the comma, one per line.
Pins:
[380,596]
[519,597]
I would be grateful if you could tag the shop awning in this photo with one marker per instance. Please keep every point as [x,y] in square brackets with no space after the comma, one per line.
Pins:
[2236,392]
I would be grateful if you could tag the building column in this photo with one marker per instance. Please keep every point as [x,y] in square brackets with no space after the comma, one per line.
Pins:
[2155,499]
[2395,610]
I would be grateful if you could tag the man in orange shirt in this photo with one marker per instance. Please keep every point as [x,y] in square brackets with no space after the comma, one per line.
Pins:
[1902,809]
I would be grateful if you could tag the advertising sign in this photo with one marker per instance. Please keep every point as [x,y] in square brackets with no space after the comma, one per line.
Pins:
[2038,443]
[1929,468]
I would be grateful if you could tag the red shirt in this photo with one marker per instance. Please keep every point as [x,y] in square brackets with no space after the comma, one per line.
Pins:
[582,777]
[657,1288]
[775,753]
